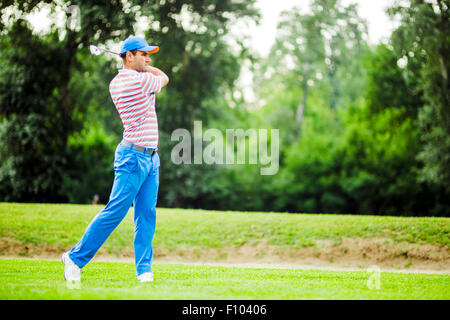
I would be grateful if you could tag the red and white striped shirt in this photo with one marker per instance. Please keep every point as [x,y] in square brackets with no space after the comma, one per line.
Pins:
[133,94]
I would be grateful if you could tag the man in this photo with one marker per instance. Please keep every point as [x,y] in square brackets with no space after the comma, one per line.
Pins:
[136,163]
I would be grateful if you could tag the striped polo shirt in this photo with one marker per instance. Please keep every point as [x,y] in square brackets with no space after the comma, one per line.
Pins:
[133,94]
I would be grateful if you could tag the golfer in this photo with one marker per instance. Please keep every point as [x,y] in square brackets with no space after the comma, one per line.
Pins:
[136,163]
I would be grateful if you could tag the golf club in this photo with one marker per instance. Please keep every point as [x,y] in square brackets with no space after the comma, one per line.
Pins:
[97,50]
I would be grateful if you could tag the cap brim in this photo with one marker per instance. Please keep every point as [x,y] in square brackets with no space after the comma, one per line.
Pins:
[150,49]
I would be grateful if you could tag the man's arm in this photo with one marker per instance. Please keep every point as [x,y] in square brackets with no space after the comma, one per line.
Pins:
[159,73]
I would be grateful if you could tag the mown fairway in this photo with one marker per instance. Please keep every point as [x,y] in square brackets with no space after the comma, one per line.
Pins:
[30,279]
[54,228]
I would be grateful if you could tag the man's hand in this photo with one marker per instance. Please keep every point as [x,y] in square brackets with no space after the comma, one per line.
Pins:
[159,73]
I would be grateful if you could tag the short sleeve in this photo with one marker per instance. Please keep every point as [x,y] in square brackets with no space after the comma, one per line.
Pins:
[151,83]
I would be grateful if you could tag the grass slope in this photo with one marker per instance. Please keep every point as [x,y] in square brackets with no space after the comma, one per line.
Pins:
[61,226]
[32,279]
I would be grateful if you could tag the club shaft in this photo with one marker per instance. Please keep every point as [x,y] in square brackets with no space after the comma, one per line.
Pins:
[106,50]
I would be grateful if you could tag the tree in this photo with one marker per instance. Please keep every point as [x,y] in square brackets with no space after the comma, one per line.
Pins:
[325,44]
[203,62]
[44,120]
[36,107]
[423,40]
[387,85]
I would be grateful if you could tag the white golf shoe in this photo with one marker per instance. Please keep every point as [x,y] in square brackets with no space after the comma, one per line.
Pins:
[72,272]
[145,277]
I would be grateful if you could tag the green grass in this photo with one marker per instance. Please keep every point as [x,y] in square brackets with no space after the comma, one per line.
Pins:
[61,226]
[33,279]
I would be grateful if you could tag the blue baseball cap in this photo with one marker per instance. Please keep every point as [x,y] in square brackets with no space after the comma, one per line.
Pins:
[137,43]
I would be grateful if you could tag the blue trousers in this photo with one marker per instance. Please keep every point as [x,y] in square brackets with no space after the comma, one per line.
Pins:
[136,181]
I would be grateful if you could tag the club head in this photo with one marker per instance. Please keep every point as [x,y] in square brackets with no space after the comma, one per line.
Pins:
[95,50]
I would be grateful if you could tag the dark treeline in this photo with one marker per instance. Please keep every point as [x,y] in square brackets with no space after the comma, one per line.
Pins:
[363,129]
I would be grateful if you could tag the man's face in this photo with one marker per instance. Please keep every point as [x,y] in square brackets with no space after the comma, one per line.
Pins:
[140,61]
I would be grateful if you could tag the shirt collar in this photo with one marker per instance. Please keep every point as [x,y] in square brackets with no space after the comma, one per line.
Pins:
[127,71]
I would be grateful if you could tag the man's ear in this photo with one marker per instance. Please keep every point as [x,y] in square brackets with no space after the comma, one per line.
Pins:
[129,56]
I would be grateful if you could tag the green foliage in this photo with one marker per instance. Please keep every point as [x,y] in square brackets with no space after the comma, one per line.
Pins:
[387,84]
[91,165]
[317,50]
[36,107]
[32,161]
[362,129]
[69,113]
[364,160]
[379,166]
[423,39]
[201,64]
[202,67]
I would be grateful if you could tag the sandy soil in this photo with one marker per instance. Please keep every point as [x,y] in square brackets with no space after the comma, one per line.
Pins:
[351,254]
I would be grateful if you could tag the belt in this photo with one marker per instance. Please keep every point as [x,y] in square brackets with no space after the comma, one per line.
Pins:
[138,148]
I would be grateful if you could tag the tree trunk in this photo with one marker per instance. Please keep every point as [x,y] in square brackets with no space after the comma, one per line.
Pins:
[301,108]
[69,52]
[334,86]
